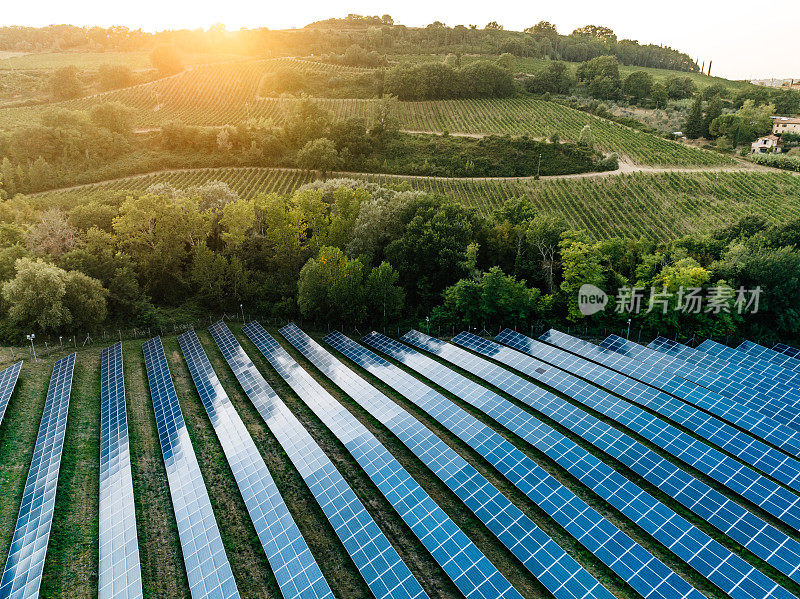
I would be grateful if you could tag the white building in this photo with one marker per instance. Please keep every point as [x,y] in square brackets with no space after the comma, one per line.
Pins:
[768,143]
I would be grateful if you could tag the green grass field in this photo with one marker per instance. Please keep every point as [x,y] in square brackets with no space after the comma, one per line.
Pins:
[659,205]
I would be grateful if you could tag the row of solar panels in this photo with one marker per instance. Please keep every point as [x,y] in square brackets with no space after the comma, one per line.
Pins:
[616,380]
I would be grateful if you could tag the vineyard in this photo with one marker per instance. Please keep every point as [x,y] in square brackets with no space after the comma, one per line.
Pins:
[660,206]
[220,94]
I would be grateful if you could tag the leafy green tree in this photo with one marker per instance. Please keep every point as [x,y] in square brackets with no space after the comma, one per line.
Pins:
[582,265]
[694,126]
[493,298]
[114,76]
[713,111]
[638,85]
[383,295]
[553,78]
[318,155]
[331,287]
[586,137]
[679,88]
[49,299]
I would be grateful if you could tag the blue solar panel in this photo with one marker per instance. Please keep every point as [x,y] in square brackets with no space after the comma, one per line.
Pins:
[630,561]
[380,565]
[557,571]
[295,568]
[724,407]
[702,374]
[739,358]
[765,353]
[780,502]
[462,561]
[783,382]
[719,511]
[737,367]
[686,541]
[8,380]
[759,455]
[22,575]
[119,573]
[787,350]
[207,567]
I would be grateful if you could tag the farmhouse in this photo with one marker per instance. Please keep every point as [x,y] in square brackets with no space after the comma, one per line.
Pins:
[768,143]
[785,124]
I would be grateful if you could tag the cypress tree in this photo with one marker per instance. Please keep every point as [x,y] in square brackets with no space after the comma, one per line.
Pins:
[694,122]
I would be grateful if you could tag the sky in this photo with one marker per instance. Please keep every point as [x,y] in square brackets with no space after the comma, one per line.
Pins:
[745,40]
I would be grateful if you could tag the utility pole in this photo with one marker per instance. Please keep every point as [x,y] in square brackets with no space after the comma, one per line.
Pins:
[31,337]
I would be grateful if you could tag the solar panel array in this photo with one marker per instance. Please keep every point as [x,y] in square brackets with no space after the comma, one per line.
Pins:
[22,575]
[787,350]
[295,568]
[379,564]
[119,573]
[634,564]
[8,380]
[772,355]
[207,567]
[778,501]
[471,571]
[732,366]
[551,564]
[736,577]
[705,372]
[725,408]
[759,455]
[764,540]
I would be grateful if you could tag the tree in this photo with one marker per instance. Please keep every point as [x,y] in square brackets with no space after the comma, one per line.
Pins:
[679,88]
[65,83]
[694,126]
[601,76]
[320,155]
[53,235]
[383,295]
[582,265]
[553,78]
[493,298]
[40,174]
[166,60]
[50,299]
[599,32]
[586,137]
[713,111]
[638,85]
[331,287]
[493,25]
[114,76]
[114,116]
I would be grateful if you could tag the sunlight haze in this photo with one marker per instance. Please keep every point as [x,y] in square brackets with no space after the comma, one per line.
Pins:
[744,41]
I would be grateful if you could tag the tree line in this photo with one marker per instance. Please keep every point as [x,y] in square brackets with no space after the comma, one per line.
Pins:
[346,251]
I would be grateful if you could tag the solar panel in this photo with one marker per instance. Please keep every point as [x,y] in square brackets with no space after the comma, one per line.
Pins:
[765,353]
[759,455]
[739,358]
[713,507]
[546,560]
[207,567]
[738,368]
[380,565]
[787,350]
[724,407]
[780,502]
[781,382]
[295,568]
[119,572]
[634,564]
[687,542]
[8,380]
[462,561]
[22,575]
[711,379]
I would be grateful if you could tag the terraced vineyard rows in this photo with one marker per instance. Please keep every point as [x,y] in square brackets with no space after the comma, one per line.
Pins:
[656,205]
[220,94]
